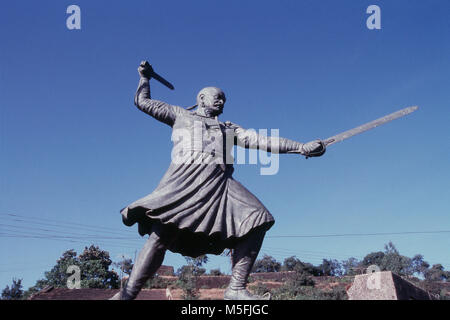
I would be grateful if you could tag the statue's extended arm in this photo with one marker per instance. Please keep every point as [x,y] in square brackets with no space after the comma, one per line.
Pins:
[250,139]
[159,110]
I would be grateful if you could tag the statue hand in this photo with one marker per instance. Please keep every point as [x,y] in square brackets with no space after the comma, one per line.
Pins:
[145,70]
[314,148]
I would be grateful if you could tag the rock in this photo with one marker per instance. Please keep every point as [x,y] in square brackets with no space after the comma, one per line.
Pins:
[385,285]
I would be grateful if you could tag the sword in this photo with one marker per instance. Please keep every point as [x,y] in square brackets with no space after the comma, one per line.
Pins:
[156,76]
[150,73]
[370,125]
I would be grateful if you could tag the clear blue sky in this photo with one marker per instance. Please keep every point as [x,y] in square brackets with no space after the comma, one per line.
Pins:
[74,148]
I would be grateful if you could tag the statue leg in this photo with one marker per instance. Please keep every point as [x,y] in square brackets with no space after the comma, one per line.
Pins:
[243,258]
[147,263]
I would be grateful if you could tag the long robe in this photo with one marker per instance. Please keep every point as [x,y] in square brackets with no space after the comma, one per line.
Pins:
[197,199]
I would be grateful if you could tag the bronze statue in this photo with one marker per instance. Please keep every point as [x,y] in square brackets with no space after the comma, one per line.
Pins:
[198,208]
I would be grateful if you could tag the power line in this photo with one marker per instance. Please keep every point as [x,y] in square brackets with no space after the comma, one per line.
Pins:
[60,223]
[73,225]
[88,236]
[125,242]
[305,253]
[66,239]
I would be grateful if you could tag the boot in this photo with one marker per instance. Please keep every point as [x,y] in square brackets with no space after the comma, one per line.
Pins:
[148,262]
[243,258]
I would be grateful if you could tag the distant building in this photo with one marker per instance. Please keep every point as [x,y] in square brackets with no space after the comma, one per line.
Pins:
[166,271]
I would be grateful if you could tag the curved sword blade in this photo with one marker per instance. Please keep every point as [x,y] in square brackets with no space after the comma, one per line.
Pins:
[370,125]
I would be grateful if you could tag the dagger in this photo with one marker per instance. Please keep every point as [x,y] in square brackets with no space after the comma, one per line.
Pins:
[150,73]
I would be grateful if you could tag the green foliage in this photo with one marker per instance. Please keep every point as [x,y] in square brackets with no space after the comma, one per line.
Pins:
[295,284]
[215,272]
[290,263]
[311,293]
[331,268]
[373,258]
[125,265]
[259,289]
[437,273]
[94,265]
[57,276]
[13,293]
[95,273]
[197,262]
[188,274]
[187,280]
[349,266]
[444,295]
[266,264]
[419,266]
[392,260]
[302,287]
[300,277]
[294,264]
[157,282]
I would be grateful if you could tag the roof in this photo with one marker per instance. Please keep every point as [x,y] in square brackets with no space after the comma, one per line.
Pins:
[93,294]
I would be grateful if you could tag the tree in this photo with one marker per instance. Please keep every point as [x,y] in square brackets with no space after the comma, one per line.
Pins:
[294,264]
[331,268]
[389,248]
[290,263]
[125,265]
[95,273]
[296,283]
[392,260]
[215,272]
[197,263]
[57,276]
[437,273]
[188,275]
[13,293]
[349,266]
[373,258]
[419,266]
[94,265]
[308,268]
[266,264]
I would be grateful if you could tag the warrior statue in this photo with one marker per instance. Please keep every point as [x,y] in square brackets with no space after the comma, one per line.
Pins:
[198,208]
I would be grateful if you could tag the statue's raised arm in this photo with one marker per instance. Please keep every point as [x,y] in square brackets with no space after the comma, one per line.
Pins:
[159,110]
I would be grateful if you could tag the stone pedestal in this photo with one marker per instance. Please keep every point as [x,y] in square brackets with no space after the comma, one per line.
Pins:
[384,285]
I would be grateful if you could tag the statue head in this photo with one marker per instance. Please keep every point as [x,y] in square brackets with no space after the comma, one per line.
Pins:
[210,101]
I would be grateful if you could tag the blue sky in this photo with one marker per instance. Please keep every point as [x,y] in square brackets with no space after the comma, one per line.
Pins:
[74,149]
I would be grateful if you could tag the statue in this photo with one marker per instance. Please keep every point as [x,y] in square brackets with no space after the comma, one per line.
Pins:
[198,208]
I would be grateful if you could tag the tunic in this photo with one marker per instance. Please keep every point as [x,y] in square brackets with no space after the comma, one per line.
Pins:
[197,199]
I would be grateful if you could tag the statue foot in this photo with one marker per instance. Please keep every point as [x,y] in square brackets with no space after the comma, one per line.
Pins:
[243,294]
[121,295]
[116,296]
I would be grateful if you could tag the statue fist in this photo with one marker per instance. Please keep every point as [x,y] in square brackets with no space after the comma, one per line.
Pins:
[314,148]
[145,70]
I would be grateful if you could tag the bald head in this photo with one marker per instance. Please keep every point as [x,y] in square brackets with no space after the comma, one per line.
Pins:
[210,101]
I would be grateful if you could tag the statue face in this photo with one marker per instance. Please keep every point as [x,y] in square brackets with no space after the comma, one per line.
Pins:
[212,100]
